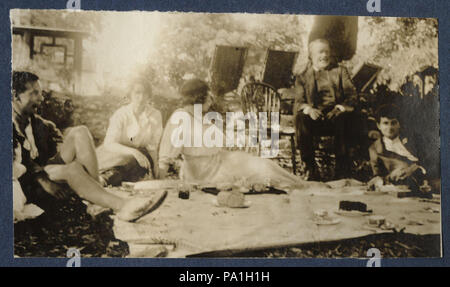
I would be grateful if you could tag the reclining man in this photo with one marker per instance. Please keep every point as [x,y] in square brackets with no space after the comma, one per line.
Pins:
[393,158]
[324,103]
[56,165]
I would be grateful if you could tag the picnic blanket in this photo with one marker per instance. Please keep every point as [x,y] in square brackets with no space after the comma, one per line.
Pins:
[198,225]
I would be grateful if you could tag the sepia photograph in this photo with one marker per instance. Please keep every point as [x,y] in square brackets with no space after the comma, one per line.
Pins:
[224,135]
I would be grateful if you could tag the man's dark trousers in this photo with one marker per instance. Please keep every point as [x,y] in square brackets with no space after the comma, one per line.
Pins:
[339,127]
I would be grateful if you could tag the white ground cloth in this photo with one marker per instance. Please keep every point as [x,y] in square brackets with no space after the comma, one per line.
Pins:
[197,225]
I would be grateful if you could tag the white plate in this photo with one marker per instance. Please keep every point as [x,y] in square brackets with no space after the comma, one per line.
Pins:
[246,204]
[333,221]
[387,226]
[352,213]
[394,188]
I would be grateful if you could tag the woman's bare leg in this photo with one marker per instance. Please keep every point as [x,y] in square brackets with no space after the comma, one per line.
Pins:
[79,146]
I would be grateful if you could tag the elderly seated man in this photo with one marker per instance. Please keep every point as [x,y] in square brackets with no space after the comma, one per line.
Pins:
[57,165]
[324,104]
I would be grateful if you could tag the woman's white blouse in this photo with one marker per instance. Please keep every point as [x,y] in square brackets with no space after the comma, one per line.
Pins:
[168,152]
[139,132]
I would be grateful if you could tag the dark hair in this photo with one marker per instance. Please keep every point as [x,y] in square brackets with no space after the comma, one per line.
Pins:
[20,80]
[145,83]
[389,111]
[194,91]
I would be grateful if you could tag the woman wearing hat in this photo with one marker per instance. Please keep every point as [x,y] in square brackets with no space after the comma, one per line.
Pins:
[131,142]
[215,164]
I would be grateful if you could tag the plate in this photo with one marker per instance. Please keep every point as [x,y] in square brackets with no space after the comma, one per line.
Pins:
[376,192]
[352,213]
[393,188]
[333,221]
[386,226]
[246,204]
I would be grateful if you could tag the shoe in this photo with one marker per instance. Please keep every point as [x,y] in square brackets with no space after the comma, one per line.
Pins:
[422,191]
[137,207]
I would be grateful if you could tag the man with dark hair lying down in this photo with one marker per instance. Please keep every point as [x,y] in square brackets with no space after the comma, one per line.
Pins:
[393,158]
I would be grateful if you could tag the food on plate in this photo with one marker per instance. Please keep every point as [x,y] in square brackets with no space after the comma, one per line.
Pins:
[231,199]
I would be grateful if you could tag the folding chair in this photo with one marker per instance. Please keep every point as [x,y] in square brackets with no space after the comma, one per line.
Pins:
[226,68]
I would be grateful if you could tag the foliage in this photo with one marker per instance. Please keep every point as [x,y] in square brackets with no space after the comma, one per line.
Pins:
[391,245]
[44,236]
[187,44]
[57,108]
[401,46]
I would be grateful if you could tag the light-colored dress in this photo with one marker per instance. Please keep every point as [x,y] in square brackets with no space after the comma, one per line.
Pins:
[217,165]
[135,132]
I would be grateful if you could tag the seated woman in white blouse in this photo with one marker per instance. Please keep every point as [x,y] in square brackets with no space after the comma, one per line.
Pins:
[129,150]
[214,164]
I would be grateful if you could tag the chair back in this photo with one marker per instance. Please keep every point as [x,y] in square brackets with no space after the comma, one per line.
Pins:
[278,68]
[226,68]
[260,97]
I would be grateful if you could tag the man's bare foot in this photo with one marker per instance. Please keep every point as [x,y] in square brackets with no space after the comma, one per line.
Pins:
[137,207]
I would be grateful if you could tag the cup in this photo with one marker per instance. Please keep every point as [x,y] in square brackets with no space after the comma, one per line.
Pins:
[183,190]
